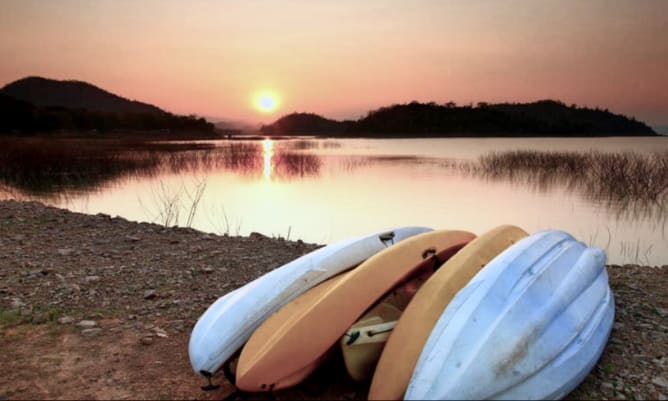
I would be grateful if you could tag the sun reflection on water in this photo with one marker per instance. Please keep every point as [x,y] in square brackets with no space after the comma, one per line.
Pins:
[268,154]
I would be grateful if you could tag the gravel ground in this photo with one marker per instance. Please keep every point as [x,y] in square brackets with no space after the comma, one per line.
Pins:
[98,307]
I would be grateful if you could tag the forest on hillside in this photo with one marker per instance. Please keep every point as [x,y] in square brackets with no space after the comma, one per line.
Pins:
[542,118]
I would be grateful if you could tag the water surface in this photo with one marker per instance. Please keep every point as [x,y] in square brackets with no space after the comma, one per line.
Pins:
[324,190]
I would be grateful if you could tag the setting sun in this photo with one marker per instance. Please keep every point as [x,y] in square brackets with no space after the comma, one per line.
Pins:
[266,102]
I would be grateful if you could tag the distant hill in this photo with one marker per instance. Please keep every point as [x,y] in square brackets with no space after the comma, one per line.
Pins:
[40,105]
[542,118]
[239,126]
[45,92]
[306,124]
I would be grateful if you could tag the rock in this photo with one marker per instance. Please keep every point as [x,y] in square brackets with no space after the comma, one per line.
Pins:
[207,270]
[663,312]
[148,340]
[92,279]
[91,332]
[87,324]
[66,320]
[131,238]
[660,381]
[160,332]
[65,251]
[607,386]
[39,318]
[661,397]
[17,303]
[150,294]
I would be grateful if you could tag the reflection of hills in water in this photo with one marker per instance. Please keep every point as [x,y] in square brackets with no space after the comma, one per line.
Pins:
[48,167]
[630,184]
[634,186]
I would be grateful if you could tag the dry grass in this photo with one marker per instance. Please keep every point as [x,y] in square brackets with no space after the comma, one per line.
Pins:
[628,182]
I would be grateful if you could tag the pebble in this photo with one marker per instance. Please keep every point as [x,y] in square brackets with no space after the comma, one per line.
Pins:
[160,332]
[87,324]
[17,303]
[65,251]
[148,340]
[150,294]
[39,318]
[660,381]
[91,332]
[92,279]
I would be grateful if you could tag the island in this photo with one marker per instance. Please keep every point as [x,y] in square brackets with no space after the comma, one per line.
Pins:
[415,119]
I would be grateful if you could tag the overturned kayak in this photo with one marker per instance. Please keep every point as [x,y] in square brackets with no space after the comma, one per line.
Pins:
[228,323]
[530,325]
[289,345]
[401,353]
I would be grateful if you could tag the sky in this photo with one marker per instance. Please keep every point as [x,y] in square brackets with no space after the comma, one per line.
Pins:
[342,58]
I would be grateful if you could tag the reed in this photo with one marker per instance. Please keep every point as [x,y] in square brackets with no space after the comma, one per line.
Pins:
[628,182]
[46,166]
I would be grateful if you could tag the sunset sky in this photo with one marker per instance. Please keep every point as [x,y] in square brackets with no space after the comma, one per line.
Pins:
[342,58]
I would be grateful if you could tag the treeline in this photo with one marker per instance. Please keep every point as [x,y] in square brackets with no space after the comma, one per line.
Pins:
[23,118]
[542,118]
[307,124]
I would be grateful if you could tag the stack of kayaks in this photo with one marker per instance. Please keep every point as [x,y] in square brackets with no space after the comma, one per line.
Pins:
[228,323]
[423,314]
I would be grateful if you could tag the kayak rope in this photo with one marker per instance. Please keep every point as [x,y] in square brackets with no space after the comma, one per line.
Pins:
[372,333]
[353,337]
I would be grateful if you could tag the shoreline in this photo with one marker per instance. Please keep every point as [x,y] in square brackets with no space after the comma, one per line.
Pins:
[94,306]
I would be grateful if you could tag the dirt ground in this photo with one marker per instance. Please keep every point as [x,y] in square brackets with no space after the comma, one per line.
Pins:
[94,307]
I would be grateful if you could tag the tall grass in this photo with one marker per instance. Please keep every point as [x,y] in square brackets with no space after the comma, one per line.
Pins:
[629,183]
[171,204]
[46,166]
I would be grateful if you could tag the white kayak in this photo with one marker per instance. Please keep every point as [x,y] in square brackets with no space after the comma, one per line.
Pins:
[228,323]
[530,325]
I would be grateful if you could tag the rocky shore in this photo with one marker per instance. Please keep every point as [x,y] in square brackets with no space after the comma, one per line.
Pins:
[98,307]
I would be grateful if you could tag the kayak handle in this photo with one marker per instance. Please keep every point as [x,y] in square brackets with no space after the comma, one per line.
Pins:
[428,252]
[385,237]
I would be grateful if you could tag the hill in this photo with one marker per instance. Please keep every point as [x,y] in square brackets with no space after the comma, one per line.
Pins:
[34,104]
[542,118]
[45,92]
[306,124]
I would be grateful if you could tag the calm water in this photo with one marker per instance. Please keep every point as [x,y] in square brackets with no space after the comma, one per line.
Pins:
[326,190]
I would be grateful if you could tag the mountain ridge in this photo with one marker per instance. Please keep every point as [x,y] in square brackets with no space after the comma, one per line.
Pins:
[74,94]
[540,118]
[42,105]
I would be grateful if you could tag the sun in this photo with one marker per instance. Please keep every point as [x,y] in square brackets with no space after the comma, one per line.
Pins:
[266,101]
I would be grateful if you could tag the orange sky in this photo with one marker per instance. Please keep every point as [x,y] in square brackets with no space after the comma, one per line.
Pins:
[342,58]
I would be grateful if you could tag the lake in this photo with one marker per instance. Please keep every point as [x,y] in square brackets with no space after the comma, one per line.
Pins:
[324,190]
